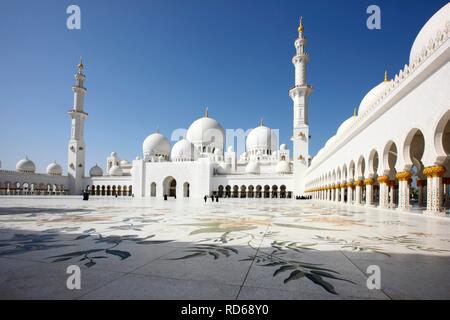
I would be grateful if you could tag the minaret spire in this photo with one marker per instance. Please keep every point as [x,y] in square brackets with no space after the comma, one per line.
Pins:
[77,147]
[300,95]
[386,78]
[300,27]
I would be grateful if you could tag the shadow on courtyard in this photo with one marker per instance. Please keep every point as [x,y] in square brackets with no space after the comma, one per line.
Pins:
[123,265]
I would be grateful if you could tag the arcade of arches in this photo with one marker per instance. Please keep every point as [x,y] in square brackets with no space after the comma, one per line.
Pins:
[252,191]
[27,188]
[413,184]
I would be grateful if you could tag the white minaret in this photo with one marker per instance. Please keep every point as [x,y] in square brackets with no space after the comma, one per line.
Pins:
[299,94]
[77,148]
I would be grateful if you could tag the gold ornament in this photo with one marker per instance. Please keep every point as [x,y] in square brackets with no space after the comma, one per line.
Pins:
[383,179]
[434,171]
[403,175]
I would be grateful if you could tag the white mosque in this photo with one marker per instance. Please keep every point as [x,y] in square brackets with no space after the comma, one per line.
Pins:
[395,149]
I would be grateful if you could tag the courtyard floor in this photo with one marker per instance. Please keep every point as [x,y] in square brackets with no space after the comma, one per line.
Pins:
[235,249]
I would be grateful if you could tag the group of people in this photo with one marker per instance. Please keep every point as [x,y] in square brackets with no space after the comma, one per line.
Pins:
[303,197]
[212,198]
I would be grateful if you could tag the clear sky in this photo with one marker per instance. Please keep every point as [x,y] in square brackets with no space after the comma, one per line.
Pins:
[159,62]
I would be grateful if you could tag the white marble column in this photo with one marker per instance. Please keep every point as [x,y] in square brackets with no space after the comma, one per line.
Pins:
[343,184]
[435,190]
[358,191]
[349,192]
[403,189]
[369,191]
[384,191]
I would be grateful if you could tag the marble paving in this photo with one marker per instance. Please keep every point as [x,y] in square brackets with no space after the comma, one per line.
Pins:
[131,248]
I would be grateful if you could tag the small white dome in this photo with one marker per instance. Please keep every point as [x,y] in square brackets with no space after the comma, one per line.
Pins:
[54,169]
[223,168]
[347,124]
[230,149]
[26,166]
[261,138]
[96,171]
[372,96]
[116,171]
[218,152]
[138,158]
[252,167]
[183,150]
[206,131]
[429,31]
[124,163]
[156,145]
[113,154]
[283,147]
[283,167]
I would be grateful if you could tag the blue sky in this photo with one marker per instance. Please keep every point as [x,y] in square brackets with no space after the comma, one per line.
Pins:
[159,62]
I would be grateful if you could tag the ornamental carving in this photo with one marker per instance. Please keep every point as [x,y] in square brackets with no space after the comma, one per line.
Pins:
[403,175]
[383,179]
[369,181]
[434,171]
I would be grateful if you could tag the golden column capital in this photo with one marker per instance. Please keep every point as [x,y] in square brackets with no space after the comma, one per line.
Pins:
[369,181]
[434,171]
[359,183]
[403,175]
[383,179]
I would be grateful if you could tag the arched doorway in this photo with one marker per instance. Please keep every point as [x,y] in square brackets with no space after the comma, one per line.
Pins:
[153,189]
[390,160]
[186,190]
[413,151]
[170,187]
[274,191]
[228,191]
[251,191]
[258,191]
[220,191]
[283,191]
[266,191]
[243,191]
[235,191]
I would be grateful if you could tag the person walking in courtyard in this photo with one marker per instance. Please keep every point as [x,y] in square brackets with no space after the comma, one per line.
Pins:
[205,198]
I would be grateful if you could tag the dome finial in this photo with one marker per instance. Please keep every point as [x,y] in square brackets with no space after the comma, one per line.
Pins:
[157,129]
[300,27]
[354,112]
[386,79]
[206,112]
[261,122]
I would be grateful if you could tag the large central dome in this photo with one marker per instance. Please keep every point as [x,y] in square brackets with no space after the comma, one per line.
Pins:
[206,132]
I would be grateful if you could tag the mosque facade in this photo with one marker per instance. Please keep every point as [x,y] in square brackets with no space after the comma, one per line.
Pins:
[393,150]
